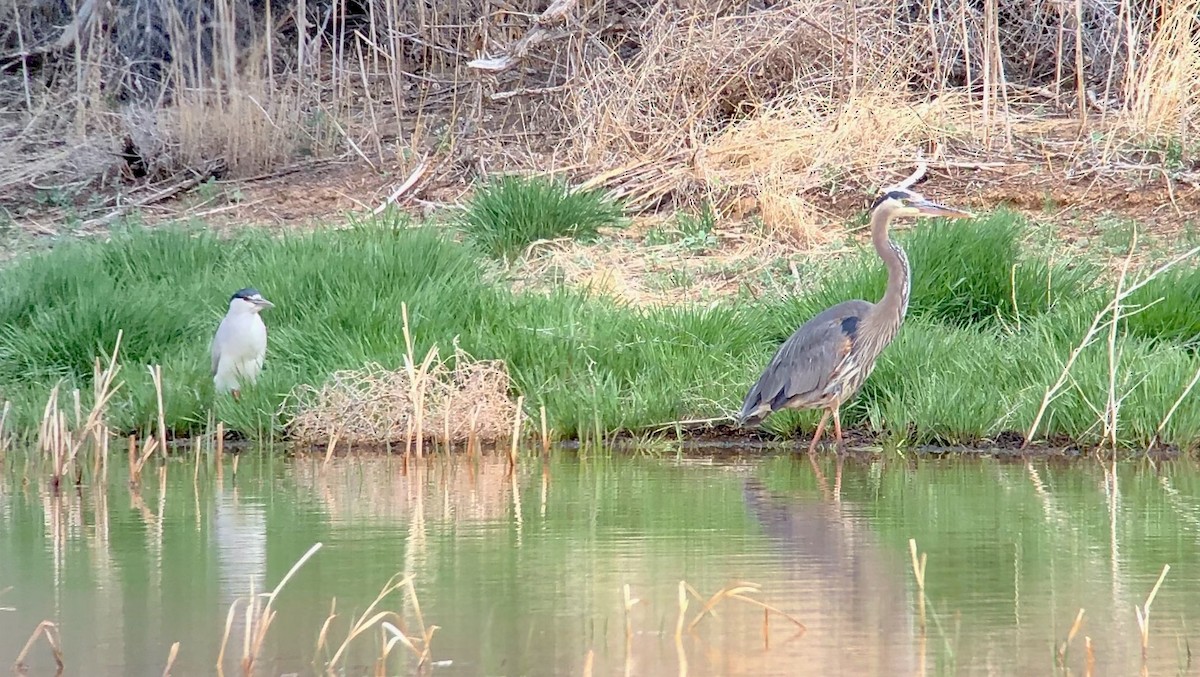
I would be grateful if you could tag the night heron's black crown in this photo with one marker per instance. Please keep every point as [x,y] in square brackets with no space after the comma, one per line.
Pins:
[247,294]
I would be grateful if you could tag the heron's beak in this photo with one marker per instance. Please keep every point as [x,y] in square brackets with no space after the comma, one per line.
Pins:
[927,208]
[263,304]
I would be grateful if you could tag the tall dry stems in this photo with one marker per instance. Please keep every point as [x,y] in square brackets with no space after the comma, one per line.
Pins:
[171,656]
[417,380]
[918,567]
[1061,655]
[258,618]
[1114,357]
[365,621]
[426,631]
[49,631]
[61,442]
[1143,613]
[5,439]
[516,432]
[156,377]
[1090,335]
[138,461]
[1170,412]
[739,592]
[1164,93]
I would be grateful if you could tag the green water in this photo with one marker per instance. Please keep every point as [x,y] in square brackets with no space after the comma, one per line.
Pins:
[524,574]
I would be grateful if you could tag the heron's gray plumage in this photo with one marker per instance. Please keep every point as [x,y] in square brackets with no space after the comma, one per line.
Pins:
[800,372]
[825,362]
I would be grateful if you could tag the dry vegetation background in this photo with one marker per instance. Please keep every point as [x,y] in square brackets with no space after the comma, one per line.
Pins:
[787,110]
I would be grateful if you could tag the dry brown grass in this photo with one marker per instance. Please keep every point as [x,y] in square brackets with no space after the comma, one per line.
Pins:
[625,269]
[794,105]
[462,399]
[798,146]
[784,108]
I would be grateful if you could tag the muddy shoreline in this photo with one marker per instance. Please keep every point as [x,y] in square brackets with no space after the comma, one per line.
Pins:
[728,442]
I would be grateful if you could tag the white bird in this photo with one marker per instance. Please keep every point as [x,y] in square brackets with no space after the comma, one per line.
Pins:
[240,345]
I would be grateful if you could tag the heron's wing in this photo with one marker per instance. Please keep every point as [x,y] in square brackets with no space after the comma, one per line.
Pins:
[805,362]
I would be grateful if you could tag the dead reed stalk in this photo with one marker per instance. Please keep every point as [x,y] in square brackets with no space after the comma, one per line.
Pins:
[365,621]
[918,567]
[1062,647]
[683,606]
[1166,419]
[589,659]
[156,377]
[629,602]
[1090,659]
[49,631]
[418,646]
[258,618]
[138,461]
[518,415]
[739,592]
[220,443]
[1113,403]
[171,656]
[1089,337]
[63,443]
[417,379]
[5,439]
[545,431]
[1143,612]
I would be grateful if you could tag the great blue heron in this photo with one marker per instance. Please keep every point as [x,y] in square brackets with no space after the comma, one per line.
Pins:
[826,361]
[240,345]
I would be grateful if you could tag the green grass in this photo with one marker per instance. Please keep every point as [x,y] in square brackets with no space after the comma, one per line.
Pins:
[509,213]
[963,274]
[973,360]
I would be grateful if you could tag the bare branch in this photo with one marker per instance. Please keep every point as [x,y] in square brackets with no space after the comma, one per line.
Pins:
[404,187]
[556,12]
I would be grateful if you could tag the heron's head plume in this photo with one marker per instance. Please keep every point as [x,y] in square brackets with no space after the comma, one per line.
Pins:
[899,202]
[248,300]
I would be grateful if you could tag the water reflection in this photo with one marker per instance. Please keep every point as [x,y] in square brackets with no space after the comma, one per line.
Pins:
[850,591]
[525,572]
[239,537]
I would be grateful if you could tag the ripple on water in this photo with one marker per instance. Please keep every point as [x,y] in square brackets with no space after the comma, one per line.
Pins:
[525,574]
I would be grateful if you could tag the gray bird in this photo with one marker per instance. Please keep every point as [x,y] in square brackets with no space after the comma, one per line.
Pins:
[826,361]
[240,345]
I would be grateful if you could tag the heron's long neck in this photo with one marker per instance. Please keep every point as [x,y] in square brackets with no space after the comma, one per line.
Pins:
[894,303]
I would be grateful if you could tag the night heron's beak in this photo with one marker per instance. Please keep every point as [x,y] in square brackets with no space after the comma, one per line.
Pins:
[263,303]
[927,208]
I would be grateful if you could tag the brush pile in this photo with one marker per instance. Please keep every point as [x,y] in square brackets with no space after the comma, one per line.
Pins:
[468,400]
[639,97]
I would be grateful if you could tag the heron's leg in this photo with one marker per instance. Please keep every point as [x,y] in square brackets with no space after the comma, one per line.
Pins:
[837,480]
[837,429]
[812,460]
[812,448]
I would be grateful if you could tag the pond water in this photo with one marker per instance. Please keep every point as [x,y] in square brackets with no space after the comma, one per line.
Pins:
[525,573]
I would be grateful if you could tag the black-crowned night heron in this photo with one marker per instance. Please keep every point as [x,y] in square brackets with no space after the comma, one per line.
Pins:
[240,346]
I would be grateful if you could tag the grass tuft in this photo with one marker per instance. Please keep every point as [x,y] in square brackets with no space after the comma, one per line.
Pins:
[510,213]
[1168,309]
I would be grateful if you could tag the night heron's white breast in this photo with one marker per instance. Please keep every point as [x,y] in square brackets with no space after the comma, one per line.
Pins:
[238,350]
